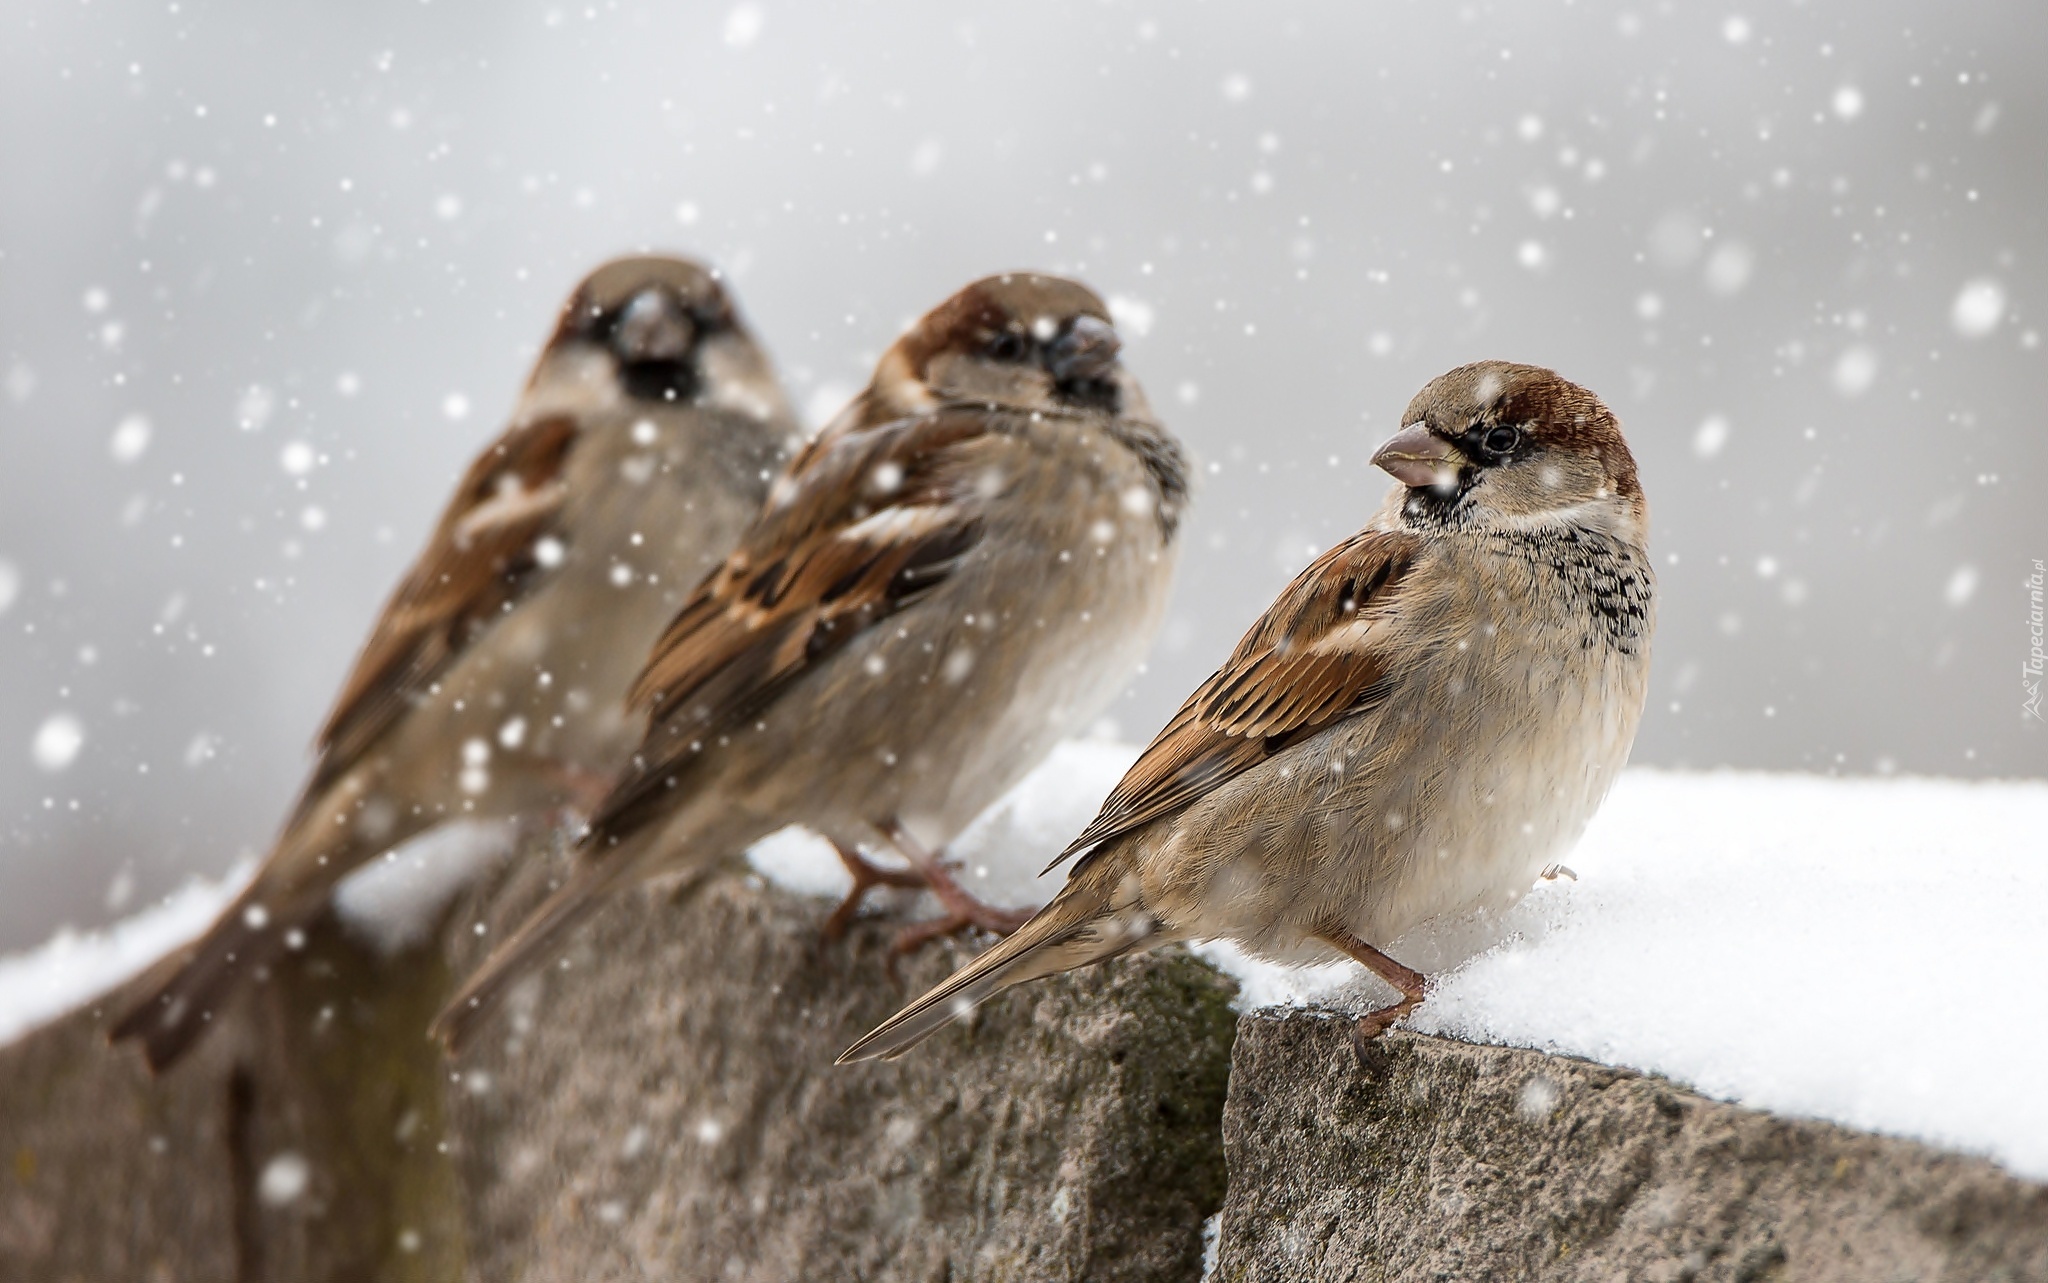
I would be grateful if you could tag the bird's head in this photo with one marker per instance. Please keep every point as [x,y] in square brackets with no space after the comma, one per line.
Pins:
[1494,443]
[646,320]
[1021,340]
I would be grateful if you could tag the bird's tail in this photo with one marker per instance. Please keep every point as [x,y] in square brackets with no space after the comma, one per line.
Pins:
[188,988]
[1090,920]
[543,930]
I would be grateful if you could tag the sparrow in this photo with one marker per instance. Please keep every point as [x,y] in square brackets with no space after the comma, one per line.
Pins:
[959,571]
[493,684]
[1419,725]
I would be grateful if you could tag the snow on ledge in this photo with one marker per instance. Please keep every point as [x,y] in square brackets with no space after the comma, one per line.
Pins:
[1863,951]
[389,905]
[74,967]
[1868,952]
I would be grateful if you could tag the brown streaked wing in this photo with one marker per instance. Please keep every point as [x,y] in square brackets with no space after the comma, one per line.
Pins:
[830,556]
[1304,665]
[477,564]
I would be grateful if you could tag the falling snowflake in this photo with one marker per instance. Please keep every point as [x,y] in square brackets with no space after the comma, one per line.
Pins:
[743,25]
[58,741]
[1979,307]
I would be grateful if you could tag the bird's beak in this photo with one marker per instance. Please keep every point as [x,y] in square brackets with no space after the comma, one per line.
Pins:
[654,327]
[1086,352]
[1417,457]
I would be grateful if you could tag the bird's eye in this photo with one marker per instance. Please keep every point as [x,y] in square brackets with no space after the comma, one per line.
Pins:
[1007,345]
[1502,440]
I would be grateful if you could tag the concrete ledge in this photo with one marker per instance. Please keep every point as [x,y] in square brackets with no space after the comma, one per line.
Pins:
[665,1108]
[1430,1159]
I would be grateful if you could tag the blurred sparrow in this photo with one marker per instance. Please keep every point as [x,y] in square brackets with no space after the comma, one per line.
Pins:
[1423,721]
[960,570]
[493,685]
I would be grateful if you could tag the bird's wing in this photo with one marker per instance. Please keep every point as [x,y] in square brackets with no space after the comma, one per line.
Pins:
[864,523]
[1317,655]
[481,560]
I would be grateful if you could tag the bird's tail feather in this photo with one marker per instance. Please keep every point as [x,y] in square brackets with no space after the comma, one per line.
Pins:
[188,989]
[579,897]
[1080,926]
[185,990]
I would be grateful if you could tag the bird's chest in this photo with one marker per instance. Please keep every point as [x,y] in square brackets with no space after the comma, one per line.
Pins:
[1519,726]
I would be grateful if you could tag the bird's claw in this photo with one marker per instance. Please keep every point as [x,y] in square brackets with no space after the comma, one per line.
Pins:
[972,915]
[1375,1023]
[867,875]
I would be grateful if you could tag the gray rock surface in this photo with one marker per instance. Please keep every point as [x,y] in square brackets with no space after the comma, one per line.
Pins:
[109,1176]
[1428,1159]
[666,1108]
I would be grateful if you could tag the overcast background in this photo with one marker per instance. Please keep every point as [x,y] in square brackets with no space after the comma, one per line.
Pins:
[270,274]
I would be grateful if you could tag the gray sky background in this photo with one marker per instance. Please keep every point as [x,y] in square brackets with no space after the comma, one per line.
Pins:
[270,274]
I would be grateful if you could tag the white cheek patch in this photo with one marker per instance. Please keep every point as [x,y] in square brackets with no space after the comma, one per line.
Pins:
[733,384]
[899,386]
[742,400]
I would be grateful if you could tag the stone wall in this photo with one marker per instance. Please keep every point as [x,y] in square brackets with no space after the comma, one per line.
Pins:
[665,1108]
[1429,1159]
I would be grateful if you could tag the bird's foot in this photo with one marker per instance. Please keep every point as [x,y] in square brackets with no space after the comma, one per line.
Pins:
[935,874]
[867,875]
[963,913]
[1552,873]
[960,903]
[1411,984]
[1374,1023]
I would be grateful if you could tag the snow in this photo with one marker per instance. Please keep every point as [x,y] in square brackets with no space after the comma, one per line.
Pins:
[57,741]
[1863,951]
[73,967]
[284,1179]
[392,903]
[388,905]
[1978,308]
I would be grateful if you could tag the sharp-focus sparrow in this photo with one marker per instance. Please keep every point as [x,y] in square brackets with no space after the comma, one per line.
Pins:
[1423,721]
[960,570]
[493,685]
